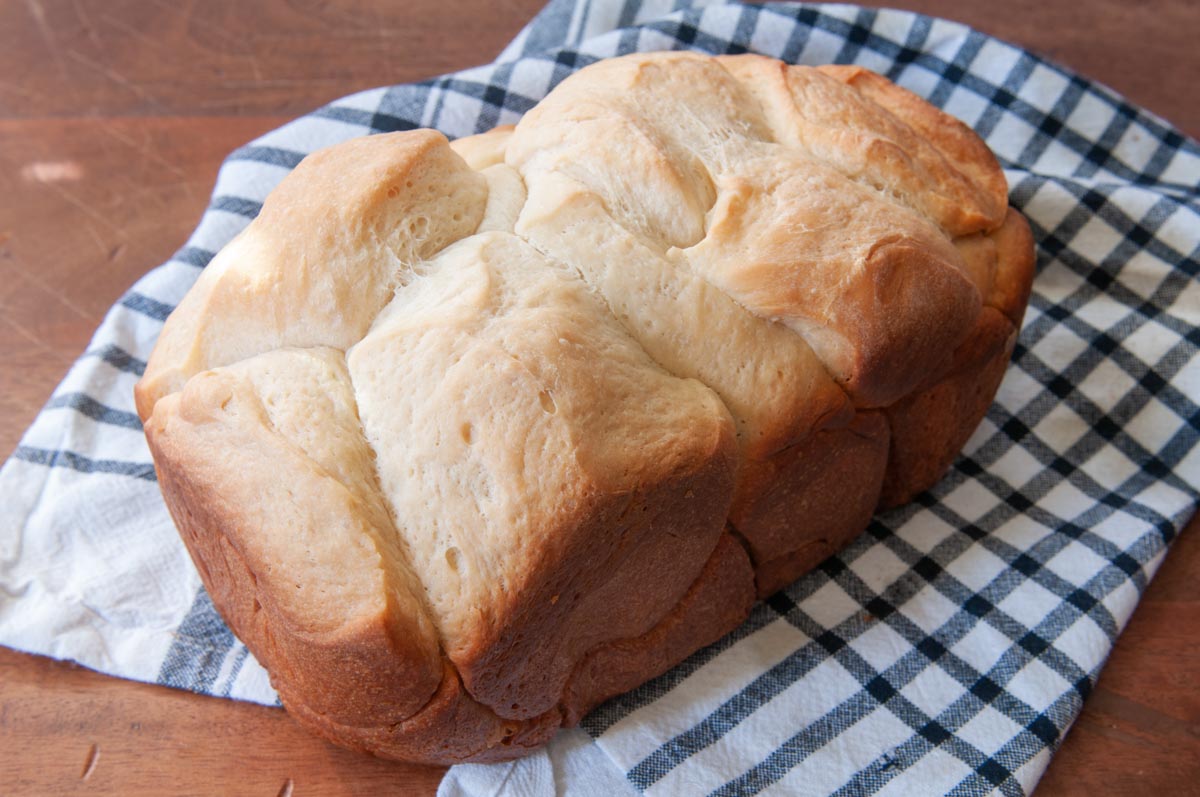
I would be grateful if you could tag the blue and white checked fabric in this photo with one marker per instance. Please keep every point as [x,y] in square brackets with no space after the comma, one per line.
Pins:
[950,647]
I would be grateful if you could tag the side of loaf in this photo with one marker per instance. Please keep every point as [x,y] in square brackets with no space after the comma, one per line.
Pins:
[467,438]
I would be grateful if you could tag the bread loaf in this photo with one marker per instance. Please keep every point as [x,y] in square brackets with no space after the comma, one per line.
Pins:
[466,438]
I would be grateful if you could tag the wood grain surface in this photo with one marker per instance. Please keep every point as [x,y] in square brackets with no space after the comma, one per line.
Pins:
[114,116]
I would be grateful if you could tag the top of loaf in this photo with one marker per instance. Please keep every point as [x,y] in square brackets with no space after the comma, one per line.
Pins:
[787,187]
[671,263]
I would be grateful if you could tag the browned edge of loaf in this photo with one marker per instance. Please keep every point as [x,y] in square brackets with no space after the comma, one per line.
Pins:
[641,550]
[911,443]
[829,484]
[363,686]
[930,427]
[923,434]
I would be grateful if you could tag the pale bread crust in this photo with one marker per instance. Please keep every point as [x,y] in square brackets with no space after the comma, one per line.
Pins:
[374,633]
[805,286]
[354,207]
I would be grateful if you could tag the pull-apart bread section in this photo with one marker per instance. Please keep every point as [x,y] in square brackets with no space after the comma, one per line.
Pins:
[467,438]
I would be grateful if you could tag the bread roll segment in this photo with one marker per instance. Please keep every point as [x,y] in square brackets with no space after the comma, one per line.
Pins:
[272,487]
[466,438]
[533,488]
[321,259]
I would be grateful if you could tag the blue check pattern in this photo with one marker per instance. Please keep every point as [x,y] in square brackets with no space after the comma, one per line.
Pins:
[951,646]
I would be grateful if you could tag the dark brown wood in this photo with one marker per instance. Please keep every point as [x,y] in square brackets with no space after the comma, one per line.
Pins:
[114,116]
[88,204]
[68,730]
[84,58]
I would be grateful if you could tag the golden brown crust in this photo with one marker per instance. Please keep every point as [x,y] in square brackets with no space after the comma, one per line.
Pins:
[1014,274]
[510,505]
[930,427]
[983,195]
[778,573]
[824,488]
[571,488]
[663,537]
[878,292]
[451,729]
[716,603]
[878,133]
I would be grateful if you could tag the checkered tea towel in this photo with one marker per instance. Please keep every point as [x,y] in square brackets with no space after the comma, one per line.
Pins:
[949,648]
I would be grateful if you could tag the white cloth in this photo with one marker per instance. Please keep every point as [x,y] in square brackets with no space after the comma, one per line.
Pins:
[572,765]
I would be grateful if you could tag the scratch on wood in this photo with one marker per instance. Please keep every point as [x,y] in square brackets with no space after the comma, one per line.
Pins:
[89,766]
[129,30]
[39,344]
[87,210]
[13,88]
[114,76]
[199,21]
[47,32]
[145,148]
[286,789]
[254,65]
[88,28]
[84,207]
[99,241]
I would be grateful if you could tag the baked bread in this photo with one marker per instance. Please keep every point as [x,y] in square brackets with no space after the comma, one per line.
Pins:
[466,438]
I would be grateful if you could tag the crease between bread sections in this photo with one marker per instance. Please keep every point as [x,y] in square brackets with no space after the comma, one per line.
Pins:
[465,438]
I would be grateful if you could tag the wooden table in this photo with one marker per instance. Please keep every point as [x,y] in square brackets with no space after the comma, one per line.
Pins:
[114,116]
